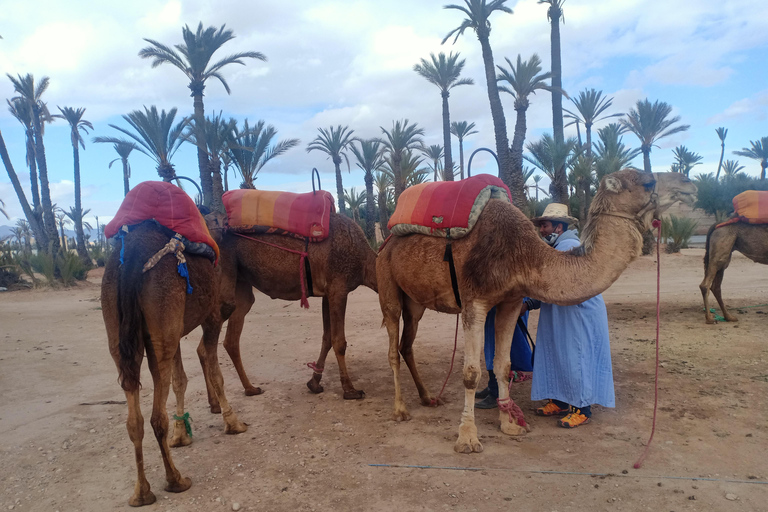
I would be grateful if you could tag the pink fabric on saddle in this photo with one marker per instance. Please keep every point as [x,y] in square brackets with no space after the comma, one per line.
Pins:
[263,211]
[166,203]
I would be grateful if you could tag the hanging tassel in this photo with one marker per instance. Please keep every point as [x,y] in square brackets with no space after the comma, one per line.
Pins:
[184,272]
[121,235]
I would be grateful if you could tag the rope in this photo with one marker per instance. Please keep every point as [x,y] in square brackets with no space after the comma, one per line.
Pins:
[187,422]
[657,225]
[315,368]
[510,407]
[434,401]
[719,318]
[176,246]
[302,254]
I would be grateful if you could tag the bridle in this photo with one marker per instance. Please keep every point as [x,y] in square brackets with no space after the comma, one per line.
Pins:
[651,205]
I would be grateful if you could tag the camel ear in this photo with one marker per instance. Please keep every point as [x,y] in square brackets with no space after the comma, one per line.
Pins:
[612,184]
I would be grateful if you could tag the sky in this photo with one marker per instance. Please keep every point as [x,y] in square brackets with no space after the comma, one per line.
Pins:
[351,63]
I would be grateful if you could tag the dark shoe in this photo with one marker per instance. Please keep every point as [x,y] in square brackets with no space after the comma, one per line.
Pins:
[489,402]
[551,409]
[483,393]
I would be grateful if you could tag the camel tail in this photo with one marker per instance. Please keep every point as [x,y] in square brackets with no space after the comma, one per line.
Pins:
[706,246]
[369,279]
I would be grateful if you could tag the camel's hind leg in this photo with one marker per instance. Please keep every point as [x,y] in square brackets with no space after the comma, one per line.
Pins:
[182,436]
[337,308]
[412,313]
[391,307]
[473,319]
[506,320]
[142,495]
[317,375]
[717,292]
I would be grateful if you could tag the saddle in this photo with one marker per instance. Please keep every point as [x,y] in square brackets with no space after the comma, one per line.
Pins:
[751,207]
[445,208]
[304,216]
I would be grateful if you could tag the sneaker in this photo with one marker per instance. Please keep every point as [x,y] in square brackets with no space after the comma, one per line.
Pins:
[483,393]
[574,419]
[489,402]
[551,409]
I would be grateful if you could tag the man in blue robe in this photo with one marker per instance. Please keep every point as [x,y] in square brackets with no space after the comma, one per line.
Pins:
[572,368]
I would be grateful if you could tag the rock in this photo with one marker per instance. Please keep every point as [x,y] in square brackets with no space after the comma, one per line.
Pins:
[731,497]
[235,506]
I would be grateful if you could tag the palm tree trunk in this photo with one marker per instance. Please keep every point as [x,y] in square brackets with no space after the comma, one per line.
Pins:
[557,74]
[398,171]
[32,169]
[720,164]
[218,189]
[82,252]
[448,168]
[339,185]
[763,165]
[49,221]
[206,182]
[646,158]
[126,184]
[518,139]
[383,213]
[587,182]
[461,157]
[370,210]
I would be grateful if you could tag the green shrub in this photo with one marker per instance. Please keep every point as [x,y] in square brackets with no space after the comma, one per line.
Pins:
[71,268]
[677,231]
[44,264]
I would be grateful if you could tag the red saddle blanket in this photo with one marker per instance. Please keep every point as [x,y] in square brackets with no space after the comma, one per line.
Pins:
[751,206]
[286,213]
[432,208]
[166,203]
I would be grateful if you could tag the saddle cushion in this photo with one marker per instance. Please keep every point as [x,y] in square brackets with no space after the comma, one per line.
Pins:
[264,211]
[169,206]
[751,206]
[433,208]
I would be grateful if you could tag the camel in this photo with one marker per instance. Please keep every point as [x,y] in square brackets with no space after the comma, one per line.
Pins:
[338,265]
[751,240]
[150,313]
[503,260]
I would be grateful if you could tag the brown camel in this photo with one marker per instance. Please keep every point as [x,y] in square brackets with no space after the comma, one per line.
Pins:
[503,260]
[149,313]
[751,240]
[338,265]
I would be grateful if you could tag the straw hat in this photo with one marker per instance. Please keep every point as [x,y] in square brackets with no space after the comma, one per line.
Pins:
[555,212]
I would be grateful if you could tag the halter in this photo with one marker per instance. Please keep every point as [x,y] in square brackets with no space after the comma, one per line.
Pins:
[652,204]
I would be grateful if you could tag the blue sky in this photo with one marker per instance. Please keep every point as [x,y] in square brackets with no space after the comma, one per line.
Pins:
[350,63]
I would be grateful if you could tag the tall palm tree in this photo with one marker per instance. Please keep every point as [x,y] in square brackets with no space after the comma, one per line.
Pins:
[254,149]
[370,160]
[758,151]
[2,209]
[62,220]
[402,138]
[334,142]
[25,232]
[31,94]
[444,73]
[77,124]
[685,160]
[477,14]
[590,106]
[650,122]
[156,136]
[412,173]
[611,154]
[193,58]
[22,111]
[536,179]
[123,148]
[462,130]
[553,158]
[554,14]
[435,153]
[383,183]
[731,168]
[721,134]
[355,201]
[523,79]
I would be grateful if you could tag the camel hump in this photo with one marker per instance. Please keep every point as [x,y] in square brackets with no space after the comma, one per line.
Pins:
[265,211]
[434,208]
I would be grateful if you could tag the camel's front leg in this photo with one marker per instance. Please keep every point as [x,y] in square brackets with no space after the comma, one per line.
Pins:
[473,316]
[317,375]
[511,416]
[182,431]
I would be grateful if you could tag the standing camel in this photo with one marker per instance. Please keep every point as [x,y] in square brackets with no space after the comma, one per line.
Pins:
[503,260]
[751,240]
[338,265]
[149,313]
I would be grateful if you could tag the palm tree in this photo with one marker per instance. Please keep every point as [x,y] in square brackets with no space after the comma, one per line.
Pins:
[554,14]
[648,121]
[77,124]
[412,174]
[435,153]
[611,154]
[553,158]
[334,142]
[193,58]
[758,151]
[24,231]
[22,111]
[685,160]
[383,183]
[402,138]
[721,133]
[444,73]
[536,179]
[123,148]
[253,150]
[523,79]
[477,18]
[156,136]
[370,160]
[590,106]
[731,168]
[31,94]
[355,201]
[462,130]
[62,220]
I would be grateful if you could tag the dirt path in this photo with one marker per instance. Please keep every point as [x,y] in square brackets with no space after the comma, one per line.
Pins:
[318,452]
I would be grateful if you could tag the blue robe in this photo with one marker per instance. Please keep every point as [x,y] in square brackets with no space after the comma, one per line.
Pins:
[519,352]
[573,353]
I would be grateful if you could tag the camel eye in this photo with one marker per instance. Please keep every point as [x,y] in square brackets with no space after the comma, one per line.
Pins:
[649,185]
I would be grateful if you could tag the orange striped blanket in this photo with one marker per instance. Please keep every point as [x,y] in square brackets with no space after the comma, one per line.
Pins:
[285,213]
[433,208]
[751,207]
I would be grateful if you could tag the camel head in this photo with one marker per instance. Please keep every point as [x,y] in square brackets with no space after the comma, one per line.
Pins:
[672,187]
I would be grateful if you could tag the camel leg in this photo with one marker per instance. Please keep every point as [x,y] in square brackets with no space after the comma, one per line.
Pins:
[142,495]
[314,383]
[717,292]
[412,313]
[506,320]
[705,285]
[244,299]
[337,307]
[473,317]
[180,435]
[391,307]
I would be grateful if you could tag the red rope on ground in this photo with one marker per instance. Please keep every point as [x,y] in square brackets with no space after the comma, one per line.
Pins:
[433,403]
[302,254]
[657,225]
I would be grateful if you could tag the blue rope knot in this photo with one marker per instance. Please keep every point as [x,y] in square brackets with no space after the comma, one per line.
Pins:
[184,272]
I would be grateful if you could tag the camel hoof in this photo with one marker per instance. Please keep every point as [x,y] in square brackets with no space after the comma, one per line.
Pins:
[710,320]
[253,391]
[216,409]
[237,427]
[354,395]
[314,386]
[180,438]
[401,416]
[142,500]
[431,402]
[182,485]
[729,318]
[472,446]
[512,429]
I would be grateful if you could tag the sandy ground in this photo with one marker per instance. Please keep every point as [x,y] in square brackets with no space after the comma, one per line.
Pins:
[310,452]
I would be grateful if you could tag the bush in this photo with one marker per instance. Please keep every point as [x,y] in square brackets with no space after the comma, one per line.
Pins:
[677,231]
[71,268]
[44,264]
